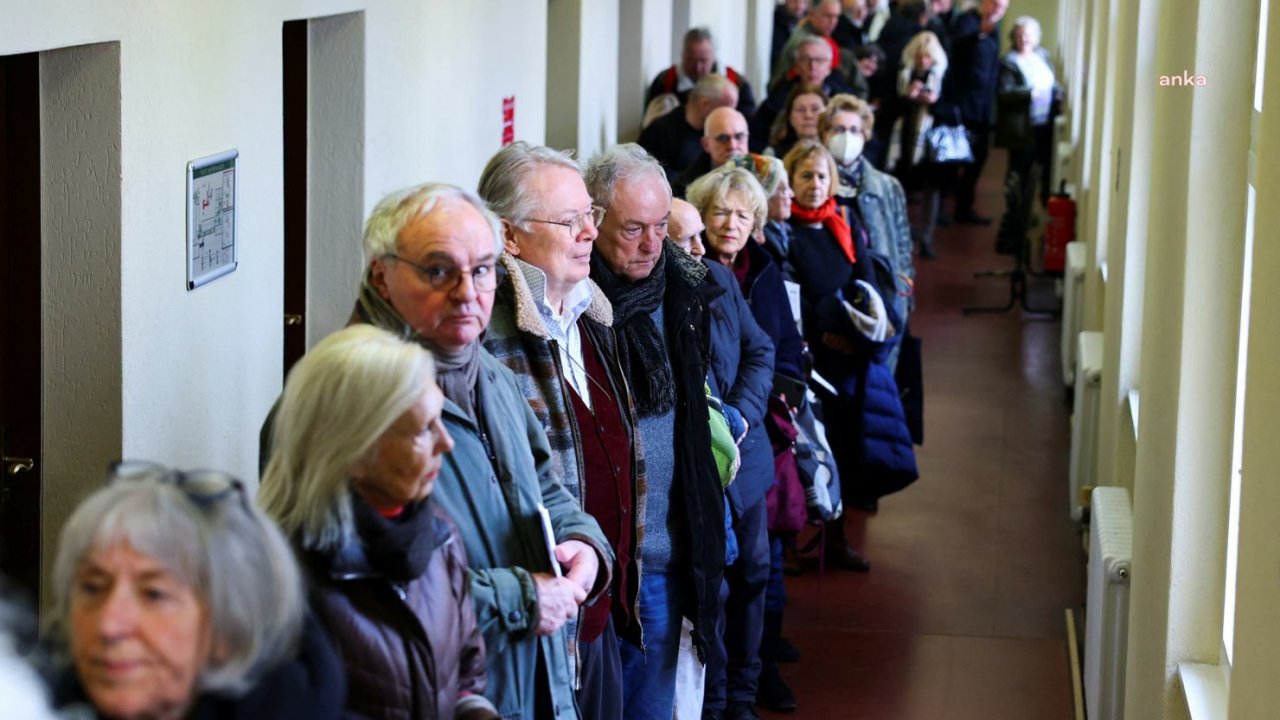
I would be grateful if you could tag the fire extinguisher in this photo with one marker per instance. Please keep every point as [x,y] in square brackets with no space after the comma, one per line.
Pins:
[1060,230]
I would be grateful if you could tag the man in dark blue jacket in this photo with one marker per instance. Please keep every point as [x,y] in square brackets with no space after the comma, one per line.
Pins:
[969,92]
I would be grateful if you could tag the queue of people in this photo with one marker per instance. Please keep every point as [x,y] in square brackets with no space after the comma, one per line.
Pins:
[550,467]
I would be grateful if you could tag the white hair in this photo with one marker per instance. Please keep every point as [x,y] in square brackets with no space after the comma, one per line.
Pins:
[394,212]
[227,551]
[617,163]
[716,185]
[504,184]
[338,401]
[1026,22]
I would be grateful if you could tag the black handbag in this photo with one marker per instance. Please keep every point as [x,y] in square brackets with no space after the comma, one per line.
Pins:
[910,377]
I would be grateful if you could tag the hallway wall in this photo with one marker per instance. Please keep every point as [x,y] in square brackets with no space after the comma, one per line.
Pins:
[195,372]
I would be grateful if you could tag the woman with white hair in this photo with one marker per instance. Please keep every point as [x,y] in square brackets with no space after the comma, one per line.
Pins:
[357,448]
[1026,105]
[175,597]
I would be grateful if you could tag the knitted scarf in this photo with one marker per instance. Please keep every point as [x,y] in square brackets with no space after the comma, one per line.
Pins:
[827,215]
[398,548]
[640,345]
[456,370]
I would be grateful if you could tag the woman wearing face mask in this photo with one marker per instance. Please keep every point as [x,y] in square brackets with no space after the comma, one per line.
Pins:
[845,125]
[798,119]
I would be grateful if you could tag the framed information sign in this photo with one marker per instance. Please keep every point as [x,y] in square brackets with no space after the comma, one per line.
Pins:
[211,218]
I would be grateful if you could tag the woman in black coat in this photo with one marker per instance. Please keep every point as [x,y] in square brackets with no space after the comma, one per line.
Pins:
[826,244]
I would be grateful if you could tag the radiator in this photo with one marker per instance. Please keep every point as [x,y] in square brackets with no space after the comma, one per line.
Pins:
[1072,309]
[1084,419]
[1106,632]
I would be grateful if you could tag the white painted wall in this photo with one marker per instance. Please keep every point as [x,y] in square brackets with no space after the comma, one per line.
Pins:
[582,75]
[728,22]
[197,371]
[644,50]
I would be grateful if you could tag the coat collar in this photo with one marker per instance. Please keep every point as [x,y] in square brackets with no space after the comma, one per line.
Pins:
[528,318]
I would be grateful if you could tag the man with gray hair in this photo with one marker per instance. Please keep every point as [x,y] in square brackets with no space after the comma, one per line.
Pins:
[675,138]
[812,65]
[662,329]
[697,58]
[432,252]
[551,326]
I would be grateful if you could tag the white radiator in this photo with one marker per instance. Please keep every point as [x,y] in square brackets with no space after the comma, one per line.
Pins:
[1084,419]
[1106,634]
[1072,308]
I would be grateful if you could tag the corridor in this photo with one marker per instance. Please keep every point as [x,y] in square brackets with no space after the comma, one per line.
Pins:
[962,614]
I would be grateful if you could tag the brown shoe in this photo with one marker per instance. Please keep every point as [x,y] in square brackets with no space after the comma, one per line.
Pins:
[843,556]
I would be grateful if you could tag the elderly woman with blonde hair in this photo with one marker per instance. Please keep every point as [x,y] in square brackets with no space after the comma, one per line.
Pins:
[177,598]
[735,207]
[358,445]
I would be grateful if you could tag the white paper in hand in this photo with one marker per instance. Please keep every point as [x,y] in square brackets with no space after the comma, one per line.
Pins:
[549,536]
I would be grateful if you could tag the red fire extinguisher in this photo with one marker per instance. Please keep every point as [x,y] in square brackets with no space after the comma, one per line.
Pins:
[1060,230]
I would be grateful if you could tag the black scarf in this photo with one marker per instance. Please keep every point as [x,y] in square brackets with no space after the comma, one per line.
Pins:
[456,370]
[397,548]
[640,346]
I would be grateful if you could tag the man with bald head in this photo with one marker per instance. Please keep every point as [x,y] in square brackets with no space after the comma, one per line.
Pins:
[674,139]
[725,135]
[685,227]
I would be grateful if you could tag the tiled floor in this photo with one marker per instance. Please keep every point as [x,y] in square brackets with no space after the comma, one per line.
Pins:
[962,613]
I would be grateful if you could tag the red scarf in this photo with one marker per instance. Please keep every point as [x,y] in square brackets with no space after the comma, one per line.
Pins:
[827,215]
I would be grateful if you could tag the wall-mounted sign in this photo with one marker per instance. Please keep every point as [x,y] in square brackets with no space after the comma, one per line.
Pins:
[211,218]
[508,120]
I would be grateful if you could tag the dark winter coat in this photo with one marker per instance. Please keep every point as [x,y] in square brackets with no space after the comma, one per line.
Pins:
[411,649]
[886,459]
[309,687]
[686,327]
[973,68]
[668,81]
[742,377]
[767,297]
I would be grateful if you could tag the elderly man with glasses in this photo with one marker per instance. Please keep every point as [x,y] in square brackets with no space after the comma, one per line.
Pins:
[811,65]
[724,137]
[433,252]
[662,328]
[553,327]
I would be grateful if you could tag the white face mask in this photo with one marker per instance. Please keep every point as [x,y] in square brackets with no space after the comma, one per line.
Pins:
[845,147]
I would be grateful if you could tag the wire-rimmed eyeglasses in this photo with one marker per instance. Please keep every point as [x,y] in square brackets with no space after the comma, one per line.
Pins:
[444,277]
[578,223]
[204,487]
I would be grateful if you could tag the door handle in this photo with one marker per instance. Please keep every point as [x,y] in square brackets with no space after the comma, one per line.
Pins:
[15,465]
[290,320]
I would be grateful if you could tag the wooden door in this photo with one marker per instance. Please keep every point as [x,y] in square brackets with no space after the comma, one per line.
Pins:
[20,341]
[295,80]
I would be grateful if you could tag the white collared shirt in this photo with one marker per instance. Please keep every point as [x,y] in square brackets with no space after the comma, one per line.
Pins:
[563,327]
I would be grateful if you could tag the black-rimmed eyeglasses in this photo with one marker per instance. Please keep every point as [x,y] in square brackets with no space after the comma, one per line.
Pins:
[444,277]
[578,223]
[204,487]
[724,138]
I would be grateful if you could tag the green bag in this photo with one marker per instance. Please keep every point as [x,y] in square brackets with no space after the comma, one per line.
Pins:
[723,447]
